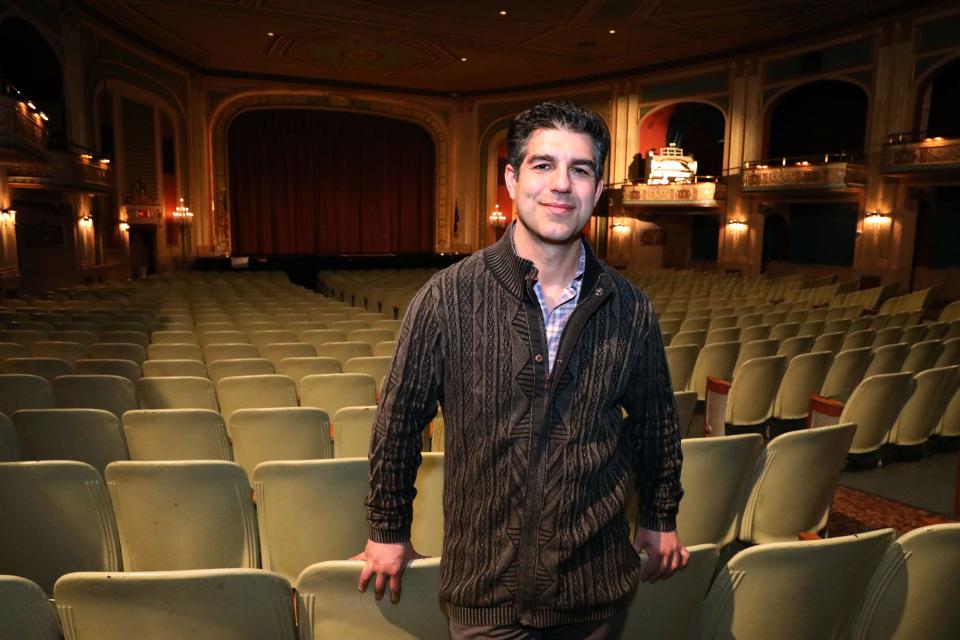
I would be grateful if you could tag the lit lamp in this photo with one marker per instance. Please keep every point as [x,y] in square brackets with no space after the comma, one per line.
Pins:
[877,218]
[86,221]
[498,219]
[737,224]
[183,218]
[8,217]
[620,227]
[124,226]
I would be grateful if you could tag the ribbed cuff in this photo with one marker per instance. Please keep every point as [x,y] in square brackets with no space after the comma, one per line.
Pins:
[653,523]
[390,536]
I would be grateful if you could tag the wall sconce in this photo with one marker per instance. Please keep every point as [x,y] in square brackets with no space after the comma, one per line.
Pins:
[86,221]
[877,218]
[8,217]
[737,224]
[124,226]
[620,227]
[498,220]
[104,160]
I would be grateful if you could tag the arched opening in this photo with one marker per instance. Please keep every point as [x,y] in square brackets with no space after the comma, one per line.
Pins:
[311,181]
[822,117]
[696,127]
[29,64]
[940,110]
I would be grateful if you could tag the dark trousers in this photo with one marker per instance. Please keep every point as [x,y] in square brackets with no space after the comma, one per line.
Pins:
[610,629]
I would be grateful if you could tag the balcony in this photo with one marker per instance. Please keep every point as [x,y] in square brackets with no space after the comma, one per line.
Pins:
[67,171]
[704,191]
[913,154]
[22,132]
[824,174]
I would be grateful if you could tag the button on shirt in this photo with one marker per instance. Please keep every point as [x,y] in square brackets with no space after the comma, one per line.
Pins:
[555,321]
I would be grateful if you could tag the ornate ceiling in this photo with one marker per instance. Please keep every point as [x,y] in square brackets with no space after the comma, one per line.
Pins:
[449,46]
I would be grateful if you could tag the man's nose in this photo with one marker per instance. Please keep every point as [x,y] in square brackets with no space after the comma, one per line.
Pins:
[561,180]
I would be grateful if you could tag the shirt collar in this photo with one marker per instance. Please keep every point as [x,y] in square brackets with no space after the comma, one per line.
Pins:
[581,260]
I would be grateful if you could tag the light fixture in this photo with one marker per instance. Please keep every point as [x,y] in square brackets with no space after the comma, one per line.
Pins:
[619,226]
[31,105]
[612,31]
[270,34]
[498,220]
[463,59]
[86,156]
[43,116]
[737,224]
[104,161]
[875,218]
[124,226]
[86,221]
[503,12]
[8,216]
[182,214]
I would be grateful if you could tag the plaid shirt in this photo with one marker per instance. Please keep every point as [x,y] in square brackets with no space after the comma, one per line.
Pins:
[555,321]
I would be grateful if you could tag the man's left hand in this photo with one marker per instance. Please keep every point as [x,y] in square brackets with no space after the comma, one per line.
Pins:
[665,553]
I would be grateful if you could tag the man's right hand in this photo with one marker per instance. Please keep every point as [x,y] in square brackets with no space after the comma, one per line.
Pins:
[386,561]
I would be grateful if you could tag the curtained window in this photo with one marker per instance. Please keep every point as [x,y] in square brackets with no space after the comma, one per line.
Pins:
[308,181]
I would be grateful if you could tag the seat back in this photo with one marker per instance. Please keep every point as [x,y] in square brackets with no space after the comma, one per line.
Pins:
[213,604]
[69,351]
[175,337]
[92,436]
[125,337]
[670,608]
[792,347]
[695,338]
[828,342]
[886,336]
[220,369]
[46,368]
[177,392]
[792,589]
[755,349]
[57,520]
[110,393]
[274,336]
[845,373]
[911,594]
[279,433]
[919,417]
[922,356]
[164,368]
[811,328]
[299,368]
[334,391]
[803,378]
[913,335]
[717,360]
[108,367]
[229,351]
[680,362]
[118,351]
[887,359]
[352,430]
[226,336]
[9,444]
[793,485]
[176,434]
[950,354]
[312,493]
[275,352]
[24,391]
[785,330]
[333,608]
[756,332]
[174,351]
[343,351]
[753,390]
[686,402]
[874,406]
[183,515]
[376,366]
[255,392]
[715,476]
[25,611]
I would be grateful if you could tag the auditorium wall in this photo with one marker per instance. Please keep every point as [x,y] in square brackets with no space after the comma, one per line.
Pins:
[108,75]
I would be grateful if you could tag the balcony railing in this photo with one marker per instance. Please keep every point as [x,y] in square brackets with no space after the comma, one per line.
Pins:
[22,131]
[906,153]
[828,172]
[705,191]
[70,171]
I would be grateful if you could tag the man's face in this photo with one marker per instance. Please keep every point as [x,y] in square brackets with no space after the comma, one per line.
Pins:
[557,187]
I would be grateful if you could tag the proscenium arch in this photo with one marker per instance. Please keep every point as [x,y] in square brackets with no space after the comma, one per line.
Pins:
[226,112]
[776,100]
[659,106]
[490,139]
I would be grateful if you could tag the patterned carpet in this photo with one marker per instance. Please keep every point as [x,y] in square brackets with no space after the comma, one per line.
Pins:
[855,511]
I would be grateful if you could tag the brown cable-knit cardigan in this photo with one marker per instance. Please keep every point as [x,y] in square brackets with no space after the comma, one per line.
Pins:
[536,466]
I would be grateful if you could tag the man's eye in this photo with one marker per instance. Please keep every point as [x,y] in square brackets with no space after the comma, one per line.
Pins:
[542,166]
[581,171]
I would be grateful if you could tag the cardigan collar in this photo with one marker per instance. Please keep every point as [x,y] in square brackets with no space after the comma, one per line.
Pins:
[515,273]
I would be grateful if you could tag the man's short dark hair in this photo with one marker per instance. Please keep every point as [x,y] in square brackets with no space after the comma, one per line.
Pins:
[557,115]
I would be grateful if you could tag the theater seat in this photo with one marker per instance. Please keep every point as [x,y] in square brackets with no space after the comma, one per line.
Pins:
[56,519]
[172,392]
[792,589]
[92,436]
[183,515]
[279,433]
[25,611]
[176,434]
[213,604]
[333,608]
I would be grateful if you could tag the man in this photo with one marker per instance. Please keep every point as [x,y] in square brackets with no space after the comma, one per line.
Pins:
[533,347]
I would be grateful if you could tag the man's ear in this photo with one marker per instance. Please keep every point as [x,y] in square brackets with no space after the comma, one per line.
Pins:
[510,178]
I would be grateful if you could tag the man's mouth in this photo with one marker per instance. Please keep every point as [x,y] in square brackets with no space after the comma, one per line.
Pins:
[557,207]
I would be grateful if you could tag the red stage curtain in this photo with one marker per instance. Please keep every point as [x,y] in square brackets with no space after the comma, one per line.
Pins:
[308,181]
